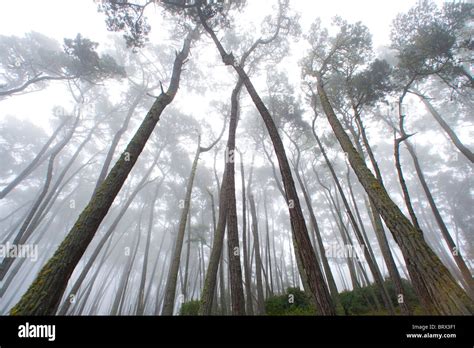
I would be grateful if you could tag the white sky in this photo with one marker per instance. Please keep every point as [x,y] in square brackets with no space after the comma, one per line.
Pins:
[66,18]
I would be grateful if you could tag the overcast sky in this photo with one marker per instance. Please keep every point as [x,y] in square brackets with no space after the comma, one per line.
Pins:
[66,18]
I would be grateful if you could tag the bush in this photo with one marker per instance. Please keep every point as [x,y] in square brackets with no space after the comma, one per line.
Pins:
[361,301]
[190,308]
[293,302]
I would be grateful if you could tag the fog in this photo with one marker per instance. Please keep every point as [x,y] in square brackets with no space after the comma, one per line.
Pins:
[236,158]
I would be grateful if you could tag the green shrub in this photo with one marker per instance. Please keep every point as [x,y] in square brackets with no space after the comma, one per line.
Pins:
[361,301]
[190,308]
[293,302]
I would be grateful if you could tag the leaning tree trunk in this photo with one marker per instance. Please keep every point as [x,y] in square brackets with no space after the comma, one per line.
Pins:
[317,232]
[451,134]
[171,283]
[116,140]
[233,247]
[258,259]
[141,293]
[209,288]
[90,262]
[247,275]
[377,221]
[438,291]
[44,294]
[368,254]
[172,280]
[455,252]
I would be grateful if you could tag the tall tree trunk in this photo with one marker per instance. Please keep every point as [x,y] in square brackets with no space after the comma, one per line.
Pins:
[171,282]
[437,289]
[141,291]
[116,140]
[44,294]
[125,276]
[317,232]
[455,251]
[376,219]
[267,246]
[235,271]
[247,274]
[258,259]
[90,262]
[369,256]
[188,253]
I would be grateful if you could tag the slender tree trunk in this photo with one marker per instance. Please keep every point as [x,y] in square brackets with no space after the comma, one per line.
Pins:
[376,219]
[171,282]
[369,257]
[141,291]
[317,232]
[267,246]
[247,274]
[125,276]
[116,140]
[258,260]
[448,130]
[455,251]
[188,252]
[44,294]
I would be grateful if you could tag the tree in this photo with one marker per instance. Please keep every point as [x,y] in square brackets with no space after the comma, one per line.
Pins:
[35,59]
[431,45]
[171,282]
